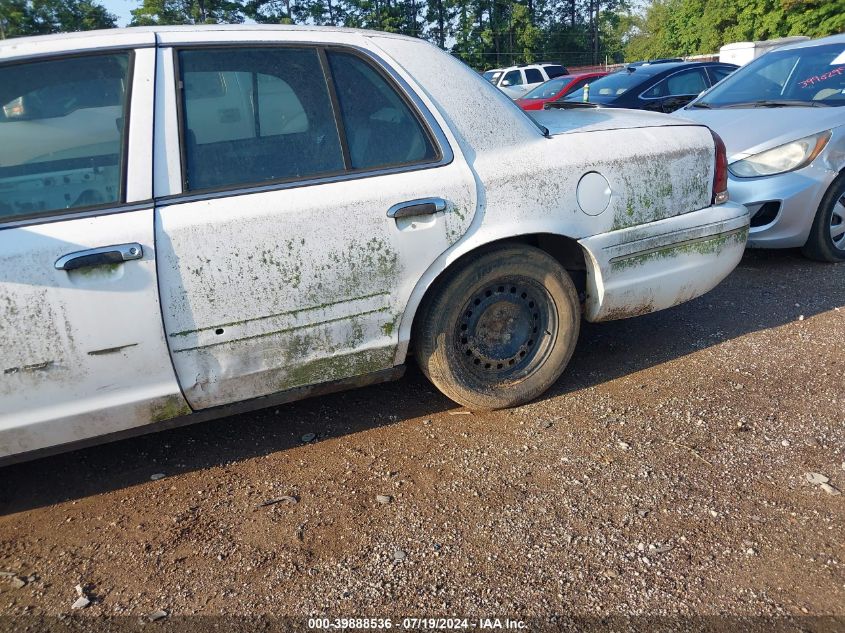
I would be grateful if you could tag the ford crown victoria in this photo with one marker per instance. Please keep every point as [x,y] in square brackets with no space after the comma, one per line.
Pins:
[196,221]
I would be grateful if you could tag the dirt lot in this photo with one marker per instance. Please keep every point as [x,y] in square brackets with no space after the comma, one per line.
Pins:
[664,474]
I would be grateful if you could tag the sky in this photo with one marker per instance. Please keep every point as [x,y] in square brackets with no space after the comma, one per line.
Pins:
[121,9]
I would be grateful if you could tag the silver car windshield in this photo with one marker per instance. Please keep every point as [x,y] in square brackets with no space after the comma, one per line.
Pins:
[811,76]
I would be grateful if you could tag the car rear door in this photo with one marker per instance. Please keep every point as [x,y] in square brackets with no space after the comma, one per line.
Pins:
[287,252]
[533,78]
[82,351]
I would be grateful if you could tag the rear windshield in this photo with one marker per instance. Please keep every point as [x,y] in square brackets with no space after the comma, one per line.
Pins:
[608,88]
[813,76]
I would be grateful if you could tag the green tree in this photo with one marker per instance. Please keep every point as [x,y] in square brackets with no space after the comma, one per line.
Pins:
[815,18]
[688,27]
[152,12]
[40,17]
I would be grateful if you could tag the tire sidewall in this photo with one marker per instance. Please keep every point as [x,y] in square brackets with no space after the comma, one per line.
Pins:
[820,244]
[447,372]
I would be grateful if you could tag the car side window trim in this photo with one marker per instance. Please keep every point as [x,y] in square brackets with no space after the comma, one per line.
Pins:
[77,213]
[54,215]
[340,126]
[443,152]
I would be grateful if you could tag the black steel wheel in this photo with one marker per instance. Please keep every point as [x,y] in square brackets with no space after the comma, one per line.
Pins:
[499,331]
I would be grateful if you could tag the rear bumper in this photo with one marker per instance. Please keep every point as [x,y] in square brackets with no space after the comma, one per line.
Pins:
[653,266]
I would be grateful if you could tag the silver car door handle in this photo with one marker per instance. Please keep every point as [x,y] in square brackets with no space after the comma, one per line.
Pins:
[423,206]
[116,254]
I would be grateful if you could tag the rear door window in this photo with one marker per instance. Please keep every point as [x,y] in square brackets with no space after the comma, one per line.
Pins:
[62,134]
[253,115]
[381,129]
[686,82]
[533,76]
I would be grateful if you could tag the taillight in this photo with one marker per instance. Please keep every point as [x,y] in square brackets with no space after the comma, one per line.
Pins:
[720,175]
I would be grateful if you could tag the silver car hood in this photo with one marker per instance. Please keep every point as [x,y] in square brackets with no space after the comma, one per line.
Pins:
[565,121]
[749,131]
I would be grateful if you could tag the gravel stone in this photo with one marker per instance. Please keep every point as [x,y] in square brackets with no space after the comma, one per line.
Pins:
[830,489]
[816,478]
[157,615]
[491,519]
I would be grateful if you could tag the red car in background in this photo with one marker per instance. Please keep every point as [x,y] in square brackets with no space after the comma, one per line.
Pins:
[555,89]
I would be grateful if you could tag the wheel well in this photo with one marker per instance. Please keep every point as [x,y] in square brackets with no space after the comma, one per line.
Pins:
[565,250]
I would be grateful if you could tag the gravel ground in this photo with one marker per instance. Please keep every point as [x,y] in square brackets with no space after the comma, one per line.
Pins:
[664,475]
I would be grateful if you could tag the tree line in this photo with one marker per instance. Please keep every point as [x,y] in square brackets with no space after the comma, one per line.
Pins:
[484,33]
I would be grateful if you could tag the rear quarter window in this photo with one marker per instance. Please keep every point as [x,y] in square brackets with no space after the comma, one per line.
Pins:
[381,129]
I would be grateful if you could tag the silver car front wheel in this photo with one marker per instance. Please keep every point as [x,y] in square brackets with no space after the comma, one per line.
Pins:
[827,236]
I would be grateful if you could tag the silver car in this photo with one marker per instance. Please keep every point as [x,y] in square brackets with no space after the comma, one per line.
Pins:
[782,118]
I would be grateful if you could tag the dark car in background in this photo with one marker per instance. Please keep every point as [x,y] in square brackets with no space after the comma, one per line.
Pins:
[555,89]
[661,87]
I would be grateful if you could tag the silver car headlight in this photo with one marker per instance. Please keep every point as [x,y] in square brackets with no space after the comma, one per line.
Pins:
[786,157]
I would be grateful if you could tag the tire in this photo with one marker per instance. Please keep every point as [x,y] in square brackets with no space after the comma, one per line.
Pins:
[826,242]
[500,330]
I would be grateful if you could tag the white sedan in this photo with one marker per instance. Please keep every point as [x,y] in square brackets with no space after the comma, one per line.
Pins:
[197,221]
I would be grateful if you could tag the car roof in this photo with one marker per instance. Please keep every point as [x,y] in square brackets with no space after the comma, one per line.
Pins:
[583,74]
[137,36]
[832,39]
[537,65]
[655,69]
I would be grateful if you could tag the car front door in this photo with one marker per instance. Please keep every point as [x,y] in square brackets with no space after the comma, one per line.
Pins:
[512,79]
[316,191]
[82,347]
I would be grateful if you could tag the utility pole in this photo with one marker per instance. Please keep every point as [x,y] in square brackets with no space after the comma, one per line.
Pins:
[596,34]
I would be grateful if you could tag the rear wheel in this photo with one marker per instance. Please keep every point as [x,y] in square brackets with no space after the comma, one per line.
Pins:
[500,330]
[827,237]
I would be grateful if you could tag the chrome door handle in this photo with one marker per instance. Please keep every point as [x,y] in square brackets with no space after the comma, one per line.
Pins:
[116,254]
[423,206]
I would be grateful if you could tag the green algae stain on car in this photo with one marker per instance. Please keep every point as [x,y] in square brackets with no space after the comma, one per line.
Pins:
[705,246]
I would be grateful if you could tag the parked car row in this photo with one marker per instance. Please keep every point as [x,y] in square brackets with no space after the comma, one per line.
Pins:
[555,90]
[515,81]
[201,220]
[660,87]
[781,118]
